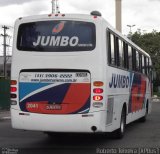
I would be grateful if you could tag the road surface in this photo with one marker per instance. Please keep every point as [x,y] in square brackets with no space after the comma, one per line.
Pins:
[139,138]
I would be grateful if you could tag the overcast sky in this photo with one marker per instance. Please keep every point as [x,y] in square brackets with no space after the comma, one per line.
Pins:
[143,13]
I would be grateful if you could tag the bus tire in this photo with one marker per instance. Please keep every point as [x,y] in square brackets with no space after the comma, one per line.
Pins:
[120,132]
[144,118]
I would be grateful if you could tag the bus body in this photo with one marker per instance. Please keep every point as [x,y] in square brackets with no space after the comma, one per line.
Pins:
[75,73]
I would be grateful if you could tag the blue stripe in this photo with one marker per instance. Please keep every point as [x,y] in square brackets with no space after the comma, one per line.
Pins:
[27,88]
[52,95]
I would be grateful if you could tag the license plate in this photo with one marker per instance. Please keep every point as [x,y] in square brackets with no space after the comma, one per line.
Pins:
[54,107]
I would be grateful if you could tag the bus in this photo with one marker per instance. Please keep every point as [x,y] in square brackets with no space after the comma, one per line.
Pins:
[75,73]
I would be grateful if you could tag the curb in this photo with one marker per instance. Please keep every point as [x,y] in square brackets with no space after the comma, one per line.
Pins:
[155,99]
[5,115]
[5,118]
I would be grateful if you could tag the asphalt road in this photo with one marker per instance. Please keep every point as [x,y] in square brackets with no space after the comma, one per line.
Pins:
[139,138]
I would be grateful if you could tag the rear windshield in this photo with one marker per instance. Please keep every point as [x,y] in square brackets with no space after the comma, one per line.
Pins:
[56,36]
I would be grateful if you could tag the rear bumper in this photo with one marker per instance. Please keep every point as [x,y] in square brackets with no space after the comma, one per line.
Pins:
[58,123]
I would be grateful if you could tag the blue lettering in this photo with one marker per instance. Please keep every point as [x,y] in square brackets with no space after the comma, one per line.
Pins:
[119,81]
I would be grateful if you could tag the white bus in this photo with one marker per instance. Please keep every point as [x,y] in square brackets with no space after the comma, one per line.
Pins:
[75,73]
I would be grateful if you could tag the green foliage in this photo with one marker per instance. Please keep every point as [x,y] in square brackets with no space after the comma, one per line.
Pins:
[4,94]
[157,93]
[150,42]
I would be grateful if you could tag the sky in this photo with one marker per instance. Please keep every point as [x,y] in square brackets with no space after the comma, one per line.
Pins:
[144,14]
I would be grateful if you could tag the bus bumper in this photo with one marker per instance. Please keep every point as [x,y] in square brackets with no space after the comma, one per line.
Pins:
[80,123]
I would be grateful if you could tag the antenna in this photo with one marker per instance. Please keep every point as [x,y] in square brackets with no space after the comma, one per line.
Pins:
[55,6]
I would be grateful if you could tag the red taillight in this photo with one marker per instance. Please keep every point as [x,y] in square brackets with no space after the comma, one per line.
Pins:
[13,89]
[97,98]
[13,82]
[98,90]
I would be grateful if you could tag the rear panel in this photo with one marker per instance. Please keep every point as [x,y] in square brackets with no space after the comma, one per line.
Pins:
[55,64]
[54,92]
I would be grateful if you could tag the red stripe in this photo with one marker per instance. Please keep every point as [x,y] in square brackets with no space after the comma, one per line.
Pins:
[77,96]
[138,94]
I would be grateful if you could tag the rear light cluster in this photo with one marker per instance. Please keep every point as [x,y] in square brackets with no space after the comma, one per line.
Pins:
[13,92]
[98,94]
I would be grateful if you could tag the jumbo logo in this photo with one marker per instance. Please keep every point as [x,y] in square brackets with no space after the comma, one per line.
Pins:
[61,41]
[119,81]
[58,28]
[56,41]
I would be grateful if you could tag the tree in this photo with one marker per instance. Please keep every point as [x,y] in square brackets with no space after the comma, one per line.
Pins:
[150,42]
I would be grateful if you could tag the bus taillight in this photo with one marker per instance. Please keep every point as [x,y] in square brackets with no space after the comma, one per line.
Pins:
[97,98]
[13,89]
[13,96]
[98,90]
[98,83]
[13,82]
[97,104]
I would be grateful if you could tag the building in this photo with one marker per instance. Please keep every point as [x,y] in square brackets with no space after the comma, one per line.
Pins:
[9,58]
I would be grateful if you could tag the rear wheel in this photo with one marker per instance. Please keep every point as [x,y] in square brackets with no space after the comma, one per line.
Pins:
[143,119]
[120,132]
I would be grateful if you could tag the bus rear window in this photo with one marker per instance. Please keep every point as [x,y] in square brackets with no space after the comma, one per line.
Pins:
[56,36]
